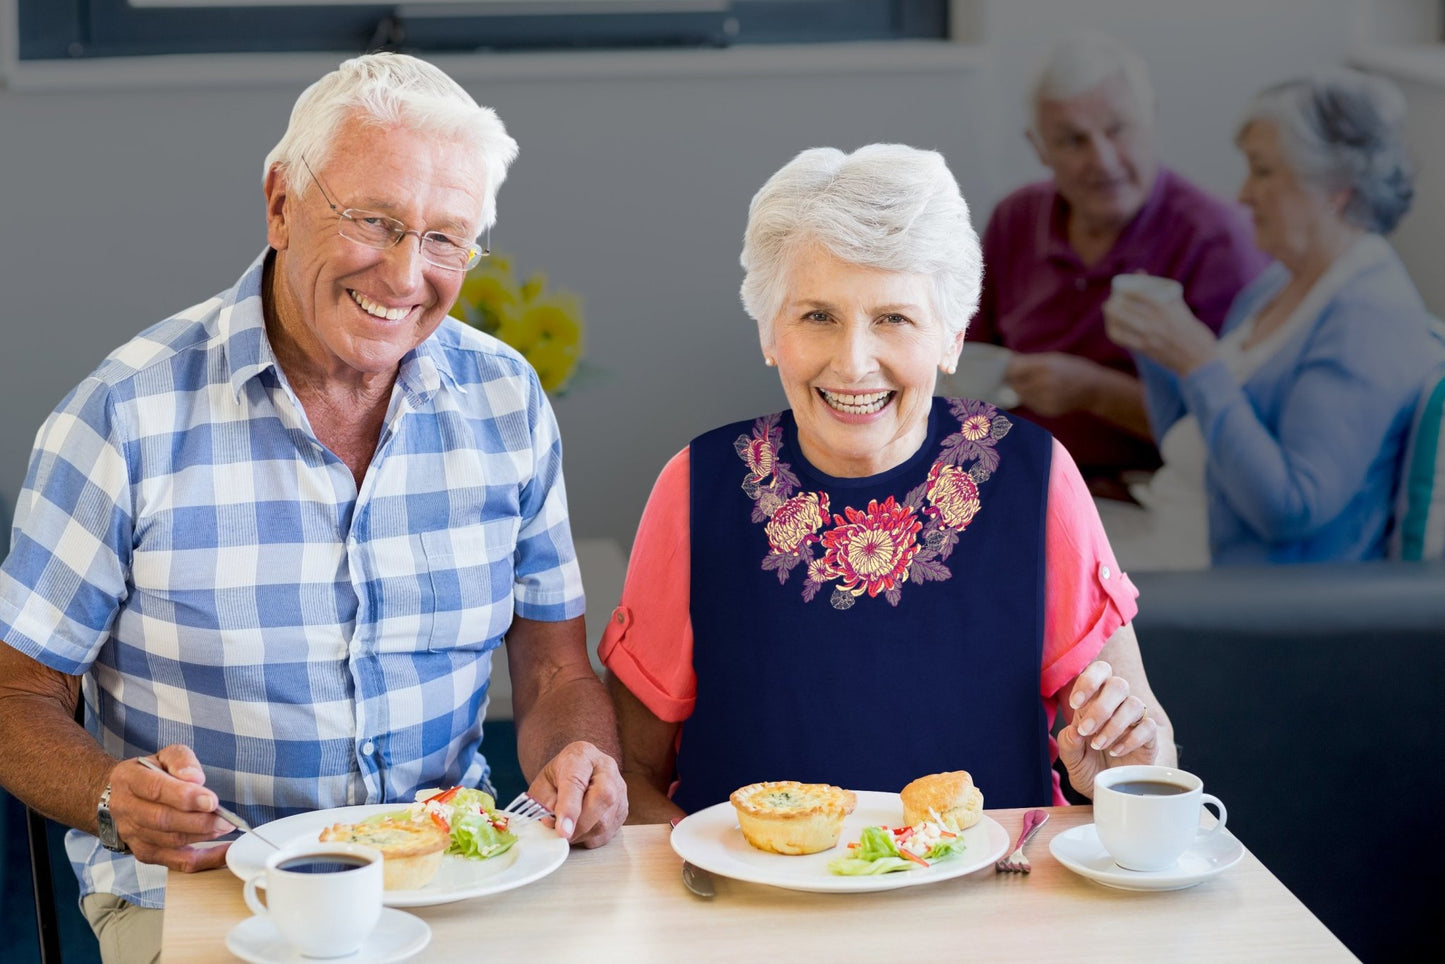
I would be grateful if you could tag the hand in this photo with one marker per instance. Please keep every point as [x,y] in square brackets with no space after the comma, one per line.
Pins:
[1109,727]
[1165,331]
[1052,383]
[584,788]
[161,815]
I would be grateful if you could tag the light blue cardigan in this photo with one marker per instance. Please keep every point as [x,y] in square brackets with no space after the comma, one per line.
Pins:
[1304,458]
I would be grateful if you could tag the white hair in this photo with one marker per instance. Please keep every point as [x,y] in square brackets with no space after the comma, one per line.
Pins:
[885,206]
[387,89]
[1344,130]
[1082,61]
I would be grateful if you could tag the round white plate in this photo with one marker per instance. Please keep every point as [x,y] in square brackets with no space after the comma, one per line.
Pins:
[537,852]
[711,839]
[398,935]
[1078,849]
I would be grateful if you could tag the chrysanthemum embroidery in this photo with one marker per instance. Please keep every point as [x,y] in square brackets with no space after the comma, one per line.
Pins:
[878,549]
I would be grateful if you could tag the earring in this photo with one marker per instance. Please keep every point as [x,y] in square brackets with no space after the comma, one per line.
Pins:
[946,368]
[768,360]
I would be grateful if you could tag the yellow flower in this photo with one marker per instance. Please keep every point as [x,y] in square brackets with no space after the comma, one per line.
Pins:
[486,295]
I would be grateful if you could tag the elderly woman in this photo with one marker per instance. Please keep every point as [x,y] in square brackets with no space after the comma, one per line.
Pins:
[874,584]
[1283,438]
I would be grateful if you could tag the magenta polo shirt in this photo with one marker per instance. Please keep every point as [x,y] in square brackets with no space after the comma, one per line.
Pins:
[1038,295]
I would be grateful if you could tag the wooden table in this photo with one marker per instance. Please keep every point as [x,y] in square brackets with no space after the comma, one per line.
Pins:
[626,902]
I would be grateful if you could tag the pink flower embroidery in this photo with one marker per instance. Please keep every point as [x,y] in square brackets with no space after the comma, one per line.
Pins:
[796,520]
[976,426]
[953,494]
[871,550]
[760,457]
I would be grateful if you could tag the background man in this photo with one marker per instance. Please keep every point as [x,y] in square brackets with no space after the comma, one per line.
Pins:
[1051,248]
[280,534]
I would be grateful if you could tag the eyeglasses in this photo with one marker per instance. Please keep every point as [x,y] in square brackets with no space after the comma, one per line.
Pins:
[379,231]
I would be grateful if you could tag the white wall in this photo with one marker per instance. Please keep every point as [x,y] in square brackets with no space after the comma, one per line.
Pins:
[124,205]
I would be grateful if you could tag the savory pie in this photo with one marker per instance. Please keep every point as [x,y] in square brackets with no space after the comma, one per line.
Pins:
[412,850]
[787,817]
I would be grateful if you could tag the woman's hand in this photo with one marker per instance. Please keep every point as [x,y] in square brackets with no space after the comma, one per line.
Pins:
[1108,726]
[1165,331]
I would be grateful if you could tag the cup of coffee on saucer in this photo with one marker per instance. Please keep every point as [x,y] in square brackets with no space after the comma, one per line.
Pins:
[1148,816]
[323,900]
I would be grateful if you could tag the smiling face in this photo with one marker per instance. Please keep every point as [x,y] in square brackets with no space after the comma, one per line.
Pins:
[858,351]
[1100,147]
[1289,214]
[347,313]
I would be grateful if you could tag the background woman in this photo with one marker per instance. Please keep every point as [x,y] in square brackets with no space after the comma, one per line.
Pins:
[1282,439]
[873,584]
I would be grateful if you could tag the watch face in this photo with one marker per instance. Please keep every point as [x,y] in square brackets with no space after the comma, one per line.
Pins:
[105,824]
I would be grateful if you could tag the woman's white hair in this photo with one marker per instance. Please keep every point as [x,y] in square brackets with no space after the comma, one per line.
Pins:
[387,90]
[885,206]
[1082,61]
[1343,130]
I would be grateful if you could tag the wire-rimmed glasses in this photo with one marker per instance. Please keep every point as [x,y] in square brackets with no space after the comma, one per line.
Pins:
[380,231]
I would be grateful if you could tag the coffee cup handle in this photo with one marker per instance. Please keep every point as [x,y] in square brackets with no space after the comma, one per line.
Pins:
[1205,801]
[252,900]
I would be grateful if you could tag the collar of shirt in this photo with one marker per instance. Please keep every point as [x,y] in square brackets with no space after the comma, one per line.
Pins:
[1055,241]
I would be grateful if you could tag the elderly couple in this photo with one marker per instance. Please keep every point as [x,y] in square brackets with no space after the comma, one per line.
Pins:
[274,540]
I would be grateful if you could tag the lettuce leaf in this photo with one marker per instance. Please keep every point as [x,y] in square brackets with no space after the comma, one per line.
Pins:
[474,836]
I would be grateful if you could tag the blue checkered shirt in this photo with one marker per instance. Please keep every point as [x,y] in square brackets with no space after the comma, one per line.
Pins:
[185,540]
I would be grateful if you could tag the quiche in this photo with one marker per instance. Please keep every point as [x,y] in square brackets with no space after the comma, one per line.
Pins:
[412,850]
[787,817]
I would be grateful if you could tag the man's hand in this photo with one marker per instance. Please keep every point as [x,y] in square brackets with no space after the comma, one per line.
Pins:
[161,816]
[584,788]
[1053,383]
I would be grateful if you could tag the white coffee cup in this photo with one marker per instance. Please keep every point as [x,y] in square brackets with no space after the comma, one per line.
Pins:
[324,899]
[1147,816]
[1150,286]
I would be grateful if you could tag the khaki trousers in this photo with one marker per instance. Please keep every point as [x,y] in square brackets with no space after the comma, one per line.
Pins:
[128,934]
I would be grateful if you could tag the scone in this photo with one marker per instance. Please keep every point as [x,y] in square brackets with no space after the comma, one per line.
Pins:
[787,817]
[413,851]
[958,803]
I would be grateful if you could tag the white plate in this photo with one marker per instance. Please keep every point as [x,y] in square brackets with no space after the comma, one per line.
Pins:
[1078,849]
[398,935]
[711,839]
[537,852]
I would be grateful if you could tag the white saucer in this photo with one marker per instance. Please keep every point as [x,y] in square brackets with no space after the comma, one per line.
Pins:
[398,935]
[1078,849]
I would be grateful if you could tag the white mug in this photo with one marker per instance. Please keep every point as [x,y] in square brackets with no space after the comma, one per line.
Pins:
[1150,286]
[1147,816]
[324,899]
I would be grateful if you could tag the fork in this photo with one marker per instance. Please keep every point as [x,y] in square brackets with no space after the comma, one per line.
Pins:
[524,806]
[1016,862]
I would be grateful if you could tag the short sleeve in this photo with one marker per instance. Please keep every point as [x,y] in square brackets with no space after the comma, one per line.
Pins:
[547,580]
[67,571]
[1086,596]
[648,640]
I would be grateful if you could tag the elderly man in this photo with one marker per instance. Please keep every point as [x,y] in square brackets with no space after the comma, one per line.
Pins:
[280,534]
[1051,248]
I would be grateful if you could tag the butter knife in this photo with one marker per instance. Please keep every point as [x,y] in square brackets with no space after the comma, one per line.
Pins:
[694,878]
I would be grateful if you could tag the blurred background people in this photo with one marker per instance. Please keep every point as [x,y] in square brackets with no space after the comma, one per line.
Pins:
[1282,439]
[873,584]
[1051,249]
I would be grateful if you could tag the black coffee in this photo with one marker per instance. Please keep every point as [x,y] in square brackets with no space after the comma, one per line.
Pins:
[330,864]
[1149,788]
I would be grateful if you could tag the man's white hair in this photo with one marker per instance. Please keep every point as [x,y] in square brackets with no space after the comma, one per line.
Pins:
[386,90]
[885,206]
[1082,61]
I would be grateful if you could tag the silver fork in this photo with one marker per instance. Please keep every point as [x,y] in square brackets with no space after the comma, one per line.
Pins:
[1016,862]
[524,806]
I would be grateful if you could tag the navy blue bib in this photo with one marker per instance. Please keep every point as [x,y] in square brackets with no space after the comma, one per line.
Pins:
[865,632]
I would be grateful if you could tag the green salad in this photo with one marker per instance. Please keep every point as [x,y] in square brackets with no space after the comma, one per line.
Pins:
[477,828]
[884,850]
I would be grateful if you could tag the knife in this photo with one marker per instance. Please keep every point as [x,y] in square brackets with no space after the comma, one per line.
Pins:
[694,878]
[226,815]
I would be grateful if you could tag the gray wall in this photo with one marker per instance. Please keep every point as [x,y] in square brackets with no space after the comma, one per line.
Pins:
[129,200]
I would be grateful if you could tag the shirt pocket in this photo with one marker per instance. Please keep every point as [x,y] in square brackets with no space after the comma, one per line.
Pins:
[470,576]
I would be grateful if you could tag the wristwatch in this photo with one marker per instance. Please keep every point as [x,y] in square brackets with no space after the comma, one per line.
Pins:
[105,824]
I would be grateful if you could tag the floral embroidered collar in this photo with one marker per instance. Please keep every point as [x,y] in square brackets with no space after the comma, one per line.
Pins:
[878,549]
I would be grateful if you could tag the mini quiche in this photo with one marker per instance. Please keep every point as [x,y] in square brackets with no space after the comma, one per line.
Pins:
[787,817]
[412,851]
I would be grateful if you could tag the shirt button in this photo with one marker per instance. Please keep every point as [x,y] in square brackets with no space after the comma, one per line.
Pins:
[368,748]
[1104,572]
